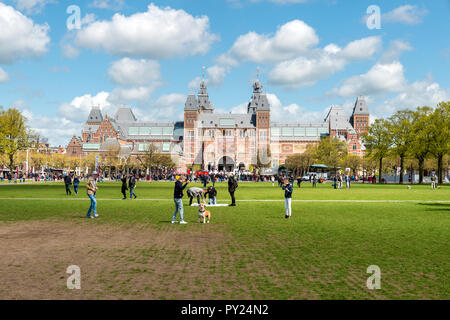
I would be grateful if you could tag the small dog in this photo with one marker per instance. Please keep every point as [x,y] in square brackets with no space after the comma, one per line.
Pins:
[203,214]
[409,187]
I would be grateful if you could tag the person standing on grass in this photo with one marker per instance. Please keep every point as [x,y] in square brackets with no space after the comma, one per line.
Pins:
[288,188]
[178,199]
[91,188]
[314,181]
[433,182]
[232,186]
[124,187]
[76,184]
[299,182]
[68,182]
[132,185]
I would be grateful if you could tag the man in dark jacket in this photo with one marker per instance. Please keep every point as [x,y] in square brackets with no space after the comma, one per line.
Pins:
[68,182]
[132,185]
[178,199]
[124,187]
[232,186]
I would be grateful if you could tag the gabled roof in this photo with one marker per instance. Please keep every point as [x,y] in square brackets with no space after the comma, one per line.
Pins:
[124,114]
[360,107]
[95,116]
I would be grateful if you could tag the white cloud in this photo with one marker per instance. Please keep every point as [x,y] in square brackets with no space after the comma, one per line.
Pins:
[157,33]
[78,109]
[290,40]
[20,37]
[407,14]
[32,6]
[215,77]
[381,78]
[4,77]
[134,72]
[419,93]
[396,48]
[305,71]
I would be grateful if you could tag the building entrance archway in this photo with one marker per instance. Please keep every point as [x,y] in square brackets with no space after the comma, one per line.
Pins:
[226,164]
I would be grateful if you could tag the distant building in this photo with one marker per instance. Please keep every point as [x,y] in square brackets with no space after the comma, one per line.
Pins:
[220,141]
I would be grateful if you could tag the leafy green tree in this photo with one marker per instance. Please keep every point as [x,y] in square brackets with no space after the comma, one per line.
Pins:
[14,135]
[353,162]
[440,137]
[402,137]
[422,131]
[300,162]
[378,142]
[330,151]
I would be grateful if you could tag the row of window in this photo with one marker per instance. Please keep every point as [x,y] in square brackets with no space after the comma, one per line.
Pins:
[165,147]
[150,131]
[299,132]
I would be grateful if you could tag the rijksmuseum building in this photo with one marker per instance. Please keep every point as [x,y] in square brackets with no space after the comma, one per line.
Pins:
[218,141]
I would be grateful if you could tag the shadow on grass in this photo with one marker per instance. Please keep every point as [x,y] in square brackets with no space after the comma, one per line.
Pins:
[436,206]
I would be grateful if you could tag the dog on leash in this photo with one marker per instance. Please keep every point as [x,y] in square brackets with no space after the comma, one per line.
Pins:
[203,214]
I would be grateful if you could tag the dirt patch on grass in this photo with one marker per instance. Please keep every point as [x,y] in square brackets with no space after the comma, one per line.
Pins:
[116,262]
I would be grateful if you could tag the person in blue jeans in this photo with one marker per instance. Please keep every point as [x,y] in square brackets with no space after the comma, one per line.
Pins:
[76,184]
[91,187]
[178,199]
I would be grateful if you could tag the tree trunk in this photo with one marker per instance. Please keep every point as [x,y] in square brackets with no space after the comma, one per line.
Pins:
[380,171]
[440,175]
[421,163]
[11,163]
[402,163]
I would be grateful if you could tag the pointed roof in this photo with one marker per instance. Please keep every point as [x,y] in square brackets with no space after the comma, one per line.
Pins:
[191,102]
[125,114]
[259,101]
[360,107]
[203,97]
[95,116]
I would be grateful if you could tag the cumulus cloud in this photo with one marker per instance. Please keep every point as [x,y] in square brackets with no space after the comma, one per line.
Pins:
[407,14]
[158,33]
[20,37]
[419,93]
[215,76]
[4,77]
[78,109]
[290,40]
[298,62]
[322,63]
[380,78]
[134,72]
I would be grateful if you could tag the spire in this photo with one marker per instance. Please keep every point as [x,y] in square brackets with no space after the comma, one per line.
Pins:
[360,106]
[203,97]
[95,116]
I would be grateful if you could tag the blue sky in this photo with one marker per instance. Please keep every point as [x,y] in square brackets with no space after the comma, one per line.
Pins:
[149,55]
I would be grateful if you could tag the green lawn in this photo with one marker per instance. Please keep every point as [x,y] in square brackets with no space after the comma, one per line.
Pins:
[247,252]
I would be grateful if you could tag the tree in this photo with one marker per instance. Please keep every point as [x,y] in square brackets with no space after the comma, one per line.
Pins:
[401,129]
[300,162]
[378,142]
[440,135]
[353,162]
[330,151]
[150,157]
[14,135]
[263,157]
[422,132]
